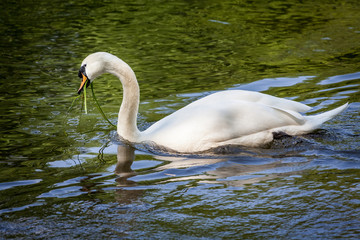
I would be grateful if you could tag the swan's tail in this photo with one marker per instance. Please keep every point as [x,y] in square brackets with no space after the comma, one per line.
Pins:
[316,120]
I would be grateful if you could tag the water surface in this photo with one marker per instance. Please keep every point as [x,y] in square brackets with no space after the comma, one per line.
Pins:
[64,175]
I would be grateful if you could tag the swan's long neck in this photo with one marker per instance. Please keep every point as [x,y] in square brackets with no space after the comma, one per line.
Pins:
[127,118]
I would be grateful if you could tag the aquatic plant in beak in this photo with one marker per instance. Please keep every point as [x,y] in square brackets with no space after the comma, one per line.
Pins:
[98,106]
[83,86]
[85,82]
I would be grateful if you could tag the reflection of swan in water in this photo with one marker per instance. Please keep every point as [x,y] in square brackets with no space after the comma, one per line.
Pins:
[225,118]
[237,170]
[125,158]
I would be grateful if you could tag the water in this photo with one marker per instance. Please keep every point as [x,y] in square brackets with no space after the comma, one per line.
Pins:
[64,176]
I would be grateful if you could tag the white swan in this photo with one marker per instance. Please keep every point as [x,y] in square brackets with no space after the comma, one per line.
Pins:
[233,117]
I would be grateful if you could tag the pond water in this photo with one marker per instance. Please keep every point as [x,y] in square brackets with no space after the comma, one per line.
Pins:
[63,175]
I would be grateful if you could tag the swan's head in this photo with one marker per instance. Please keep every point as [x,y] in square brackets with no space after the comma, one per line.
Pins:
[93,66]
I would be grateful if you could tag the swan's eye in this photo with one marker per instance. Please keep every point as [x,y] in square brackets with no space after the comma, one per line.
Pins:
[82,70]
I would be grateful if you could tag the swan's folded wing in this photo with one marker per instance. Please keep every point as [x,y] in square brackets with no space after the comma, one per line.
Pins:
[297,117]
[271,101]
[208,123]
[256,97]
[283,104]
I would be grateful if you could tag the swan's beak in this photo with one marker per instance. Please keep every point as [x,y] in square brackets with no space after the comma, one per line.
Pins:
[84,80]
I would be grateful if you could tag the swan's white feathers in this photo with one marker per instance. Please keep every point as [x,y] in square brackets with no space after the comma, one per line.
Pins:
[229,117]
[256,97]
[225,119]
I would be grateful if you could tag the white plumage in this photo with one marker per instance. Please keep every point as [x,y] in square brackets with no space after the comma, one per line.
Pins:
[233,117]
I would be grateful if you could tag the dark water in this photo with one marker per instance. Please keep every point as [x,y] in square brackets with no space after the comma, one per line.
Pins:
[63,175]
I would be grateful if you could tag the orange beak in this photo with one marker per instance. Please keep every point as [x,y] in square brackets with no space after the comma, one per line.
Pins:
[84,80]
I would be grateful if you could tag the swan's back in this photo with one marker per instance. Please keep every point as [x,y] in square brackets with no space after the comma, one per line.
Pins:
[254,97]
[234,117]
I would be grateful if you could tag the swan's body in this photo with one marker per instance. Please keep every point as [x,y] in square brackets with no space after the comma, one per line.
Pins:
[233,117]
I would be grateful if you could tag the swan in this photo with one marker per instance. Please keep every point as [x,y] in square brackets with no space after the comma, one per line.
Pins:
[231,117]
